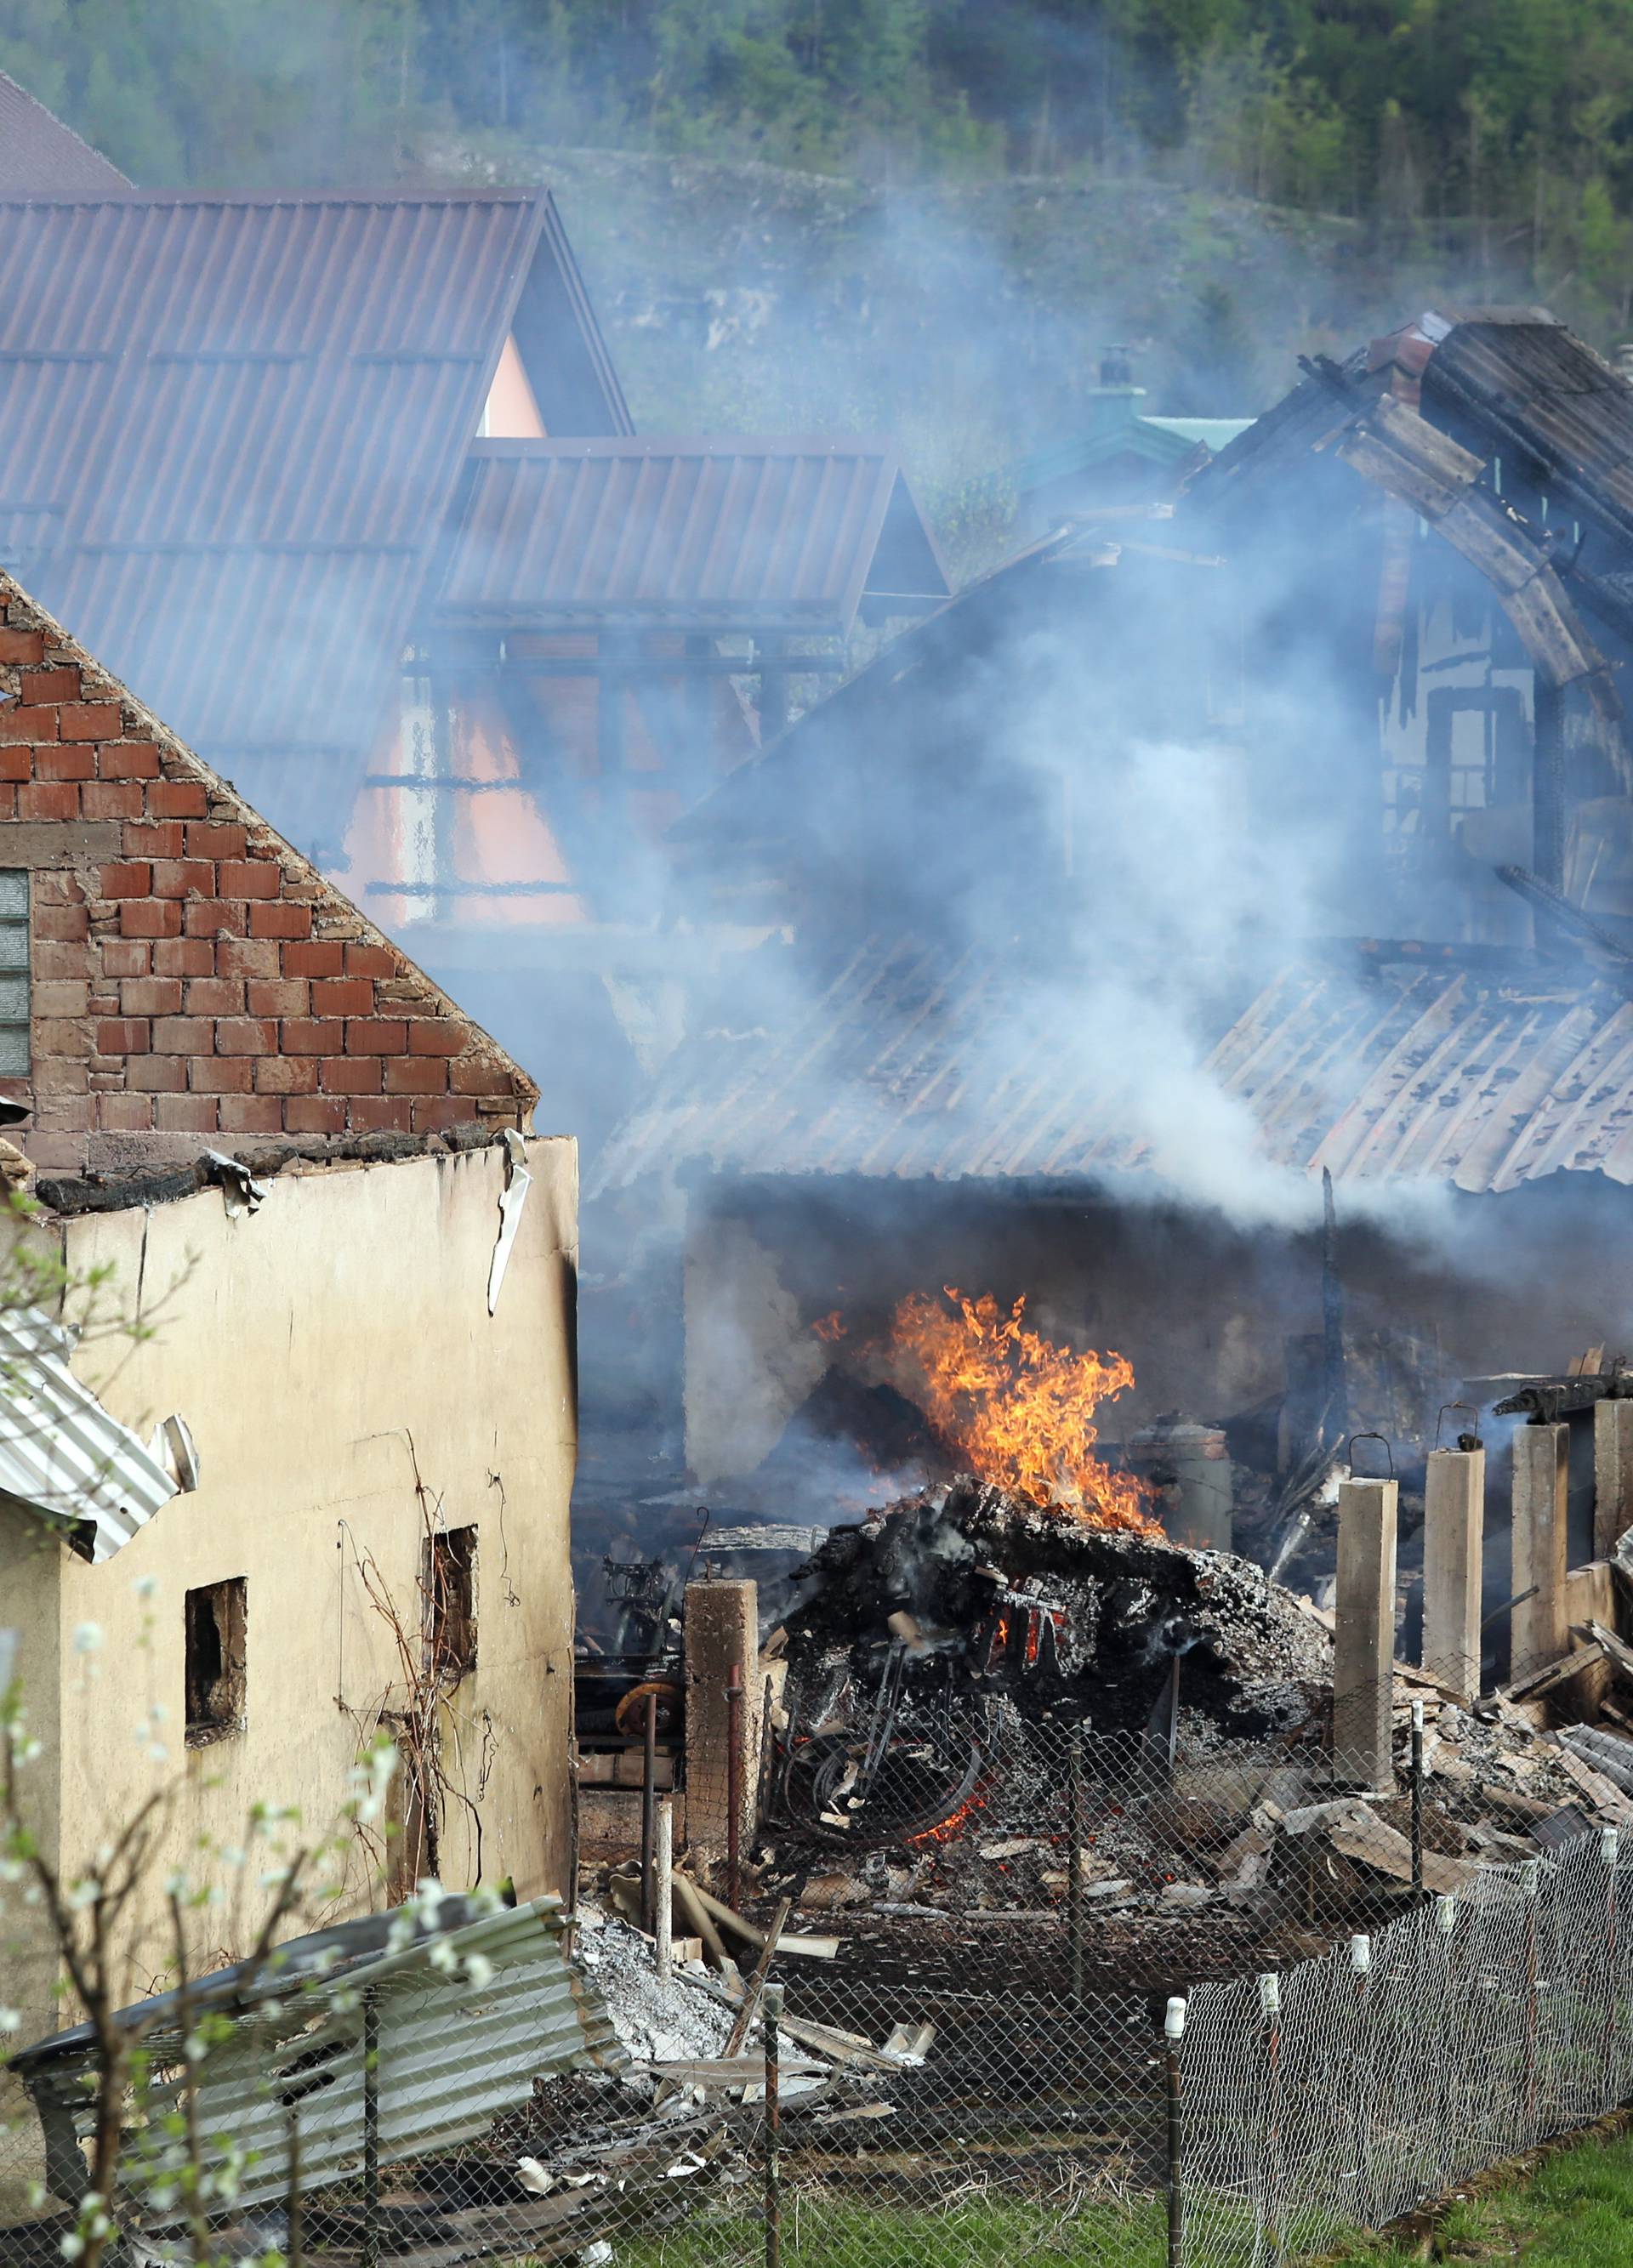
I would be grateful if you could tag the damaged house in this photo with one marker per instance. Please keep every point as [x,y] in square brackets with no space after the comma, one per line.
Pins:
[1381,644]
[487,641]
[286,1464]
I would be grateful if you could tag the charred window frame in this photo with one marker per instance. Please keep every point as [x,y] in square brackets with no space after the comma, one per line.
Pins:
[216,1659]
[450,1588]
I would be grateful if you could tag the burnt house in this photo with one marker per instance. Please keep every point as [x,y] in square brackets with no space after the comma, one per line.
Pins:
[349,485]
[1385,628]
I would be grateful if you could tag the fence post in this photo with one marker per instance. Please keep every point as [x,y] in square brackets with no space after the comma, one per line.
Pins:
[771,2011]
[648,1809]
[1360,2089]
[370,2132]
[1418,1800]
[663,1889]
[1076,1902]
[734,1786]
[1446,1918]
[1609,1847]
[1530,1882]
[1173,2030]
[295,2207]
[1270,2246]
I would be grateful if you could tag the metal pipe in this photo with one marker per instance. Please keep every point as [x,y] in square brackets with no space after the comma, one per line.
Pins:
[648,1809]
[772,2011]
[663,1912]
[1417,1798]
[293,2210]
[1076,1902]
[370,2132]
[734,1786]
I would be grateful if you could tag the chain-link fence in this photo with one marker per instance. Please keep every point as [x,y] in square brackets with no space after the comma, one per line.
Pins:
[924,2023]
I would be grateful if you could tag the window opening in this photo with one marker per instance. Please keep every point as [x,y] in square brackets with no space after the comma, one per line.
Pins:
[451,1604]
[215,1660]
[14,1002]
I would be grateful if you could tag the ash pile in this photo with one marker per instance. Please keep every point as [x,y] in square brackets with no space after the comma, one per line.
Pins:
[994,1713]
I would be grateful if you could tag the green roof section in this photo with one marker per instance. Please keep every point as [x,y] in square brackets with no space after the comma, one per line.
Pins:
[1118,428]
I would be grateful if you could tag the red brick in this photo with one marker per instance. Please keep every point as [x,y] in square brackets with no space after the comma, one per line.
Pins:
[65,764]
[126,957]
[317,1114]
[251,878]
[62,1075]
[22,648]
[150,917]
[247,1036]
[158,1074]
[380,1113]
[213,918]
[89,720]
[305,1037]
[208,838]
[434,1113]
[108,799]
[417,1075]
[46,798]
[52,959]
[60,1035]
[127,760]
[350,1074]
[31,725]
[128,878]
[286,1075]
[66,924]
[151,996]
[41,685]
[122,1035]
[152,838]
[8,800]
[184,956]
[126,1113]
[220,1074]
[470,1075]
[251,1114]
[371,961]
[309,960]
[247,956]
[280,996]
[186,1114]
[56,887]
[76,1114]
[60,996]
[216,995]
[343,996]
[183,1036]
[276,917]
[444,1037]
[184,878]
[373,1036]
[177,800]
[17,763]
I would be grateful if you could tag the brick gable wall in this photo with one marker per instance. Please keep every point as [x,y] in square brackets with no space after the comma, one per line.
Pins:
[194,978]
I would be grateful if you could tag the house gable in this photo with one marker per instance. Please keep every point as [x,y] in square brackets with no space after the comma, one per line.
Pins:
[191,977]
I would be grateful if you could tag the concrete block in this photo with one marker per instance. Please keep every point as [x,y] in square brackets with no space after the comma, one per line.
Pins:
[1364,1636]
[1540,1630]
[1612,1475]
[1454,1506]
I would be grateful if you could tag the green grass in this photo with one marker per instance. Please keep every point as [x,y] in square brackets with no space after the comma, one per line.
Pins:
[978,2233]
[1575,2213]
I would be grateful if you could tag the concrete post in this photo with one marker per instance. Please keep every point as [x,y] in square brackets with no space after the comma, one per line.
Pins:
[1364,1646]
[1454,1510]
[1612,1475]
[1540,1631]
[723,1631]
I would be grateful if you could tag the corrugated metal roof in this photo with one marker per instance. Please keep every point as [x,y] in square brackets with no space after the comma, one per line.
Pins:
[231,431]
[456,2049]
[911,1065]
[722,535]
[61,1453]
[41,156]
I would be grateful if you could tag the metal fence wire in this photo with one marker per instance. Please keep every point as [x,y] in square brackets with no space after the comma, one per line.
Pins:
[1196,2001]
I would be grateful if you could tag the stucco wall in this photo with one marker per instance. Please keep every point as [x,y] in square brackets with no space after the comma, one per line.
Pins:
[334,1356]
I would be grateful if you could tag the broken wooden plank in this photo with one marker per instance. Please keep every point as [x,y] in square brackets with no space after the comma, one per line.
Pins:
[1602,1793]
[1620,1651]
[1536,1682]
[1387,1852]
[807,1946]
[700,1921]
[756,1981]
[731,2070]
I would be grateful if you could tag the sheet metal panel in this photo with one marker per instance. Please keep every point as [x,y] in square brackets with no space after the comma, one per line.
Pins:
[776,533]
[910,1065]
[231,433]
[41,156]
[61,1453]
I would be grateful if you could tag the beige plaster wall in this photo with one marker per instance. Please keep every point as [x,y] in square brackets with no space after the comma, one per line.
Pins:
[334,1356]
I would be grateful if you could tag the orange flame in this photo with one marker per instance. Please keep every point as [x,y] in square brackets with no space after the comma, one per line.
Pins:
[830,1328]
[1019,1408]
